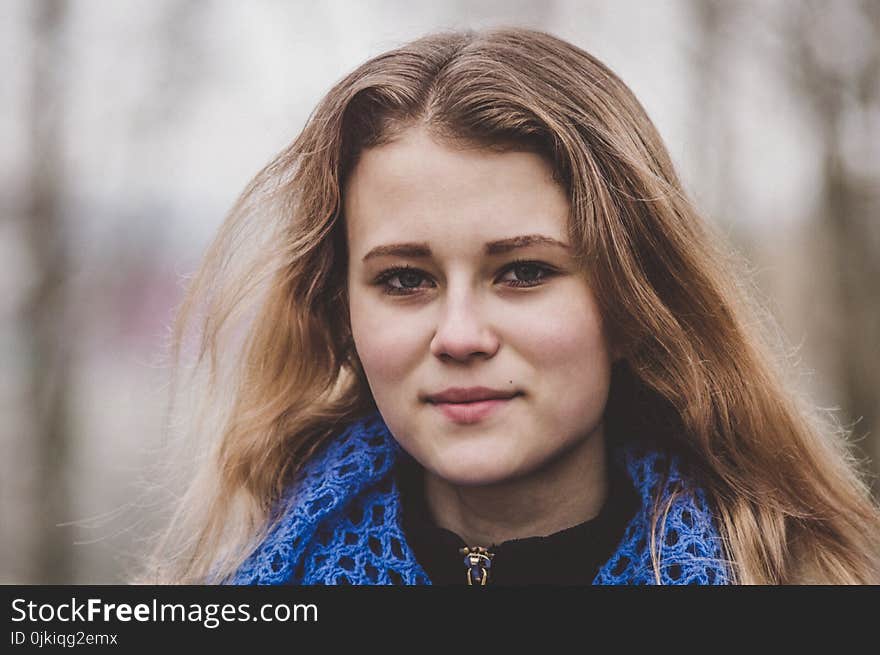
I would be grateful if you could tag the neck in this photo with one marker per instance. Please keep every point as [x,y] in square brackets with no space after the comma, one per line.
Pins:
[564,492]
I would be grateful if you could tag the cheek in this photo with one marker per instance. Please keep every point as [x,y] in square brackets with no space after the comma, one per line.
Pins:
[567,336]
[385,343]
[568,354]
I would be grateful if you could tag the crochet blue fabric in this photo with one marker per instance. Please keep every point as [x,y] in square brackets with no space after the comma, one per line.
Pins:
[341,522]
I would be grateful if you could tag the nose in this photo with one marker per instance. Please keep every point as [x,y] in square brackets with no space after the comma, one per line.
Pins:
[462,331]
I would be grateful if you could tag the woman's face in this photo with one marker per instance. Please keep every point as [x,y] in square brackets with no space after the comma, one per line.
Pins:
[438,302]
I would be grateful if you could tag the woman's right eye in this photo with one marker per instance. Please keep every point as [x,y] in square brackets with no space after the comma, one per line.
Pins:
[408,280]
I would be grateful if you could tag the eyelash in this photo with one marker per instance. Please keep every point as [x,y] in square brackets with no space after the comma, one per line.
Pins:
[386,275]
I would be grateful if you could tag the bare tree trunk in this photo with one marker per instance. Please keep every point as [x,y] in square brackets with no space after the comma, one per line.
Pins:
[44,315]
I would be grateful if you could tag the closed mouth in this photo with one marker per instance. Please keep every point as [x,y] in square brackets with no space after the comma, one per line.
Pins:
[468,396]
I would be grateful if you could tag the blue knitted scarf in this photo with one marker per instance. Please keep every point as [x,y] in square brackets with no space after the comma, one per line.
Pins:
[341,522]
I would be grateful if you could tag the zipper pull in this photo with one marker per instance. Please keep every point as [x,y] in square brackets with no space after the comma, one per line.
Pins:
[478,561]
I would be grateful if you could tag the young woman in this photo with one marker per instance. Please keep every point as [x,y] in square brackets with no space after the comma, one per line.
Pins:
[485,339]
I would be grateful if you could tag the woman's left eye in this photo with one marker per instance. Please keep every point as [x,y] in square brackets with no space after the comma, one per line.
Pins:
[530,273]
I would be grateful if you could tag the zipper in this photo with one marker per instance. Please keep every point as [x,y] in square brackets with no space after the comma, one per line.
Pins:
[477,561]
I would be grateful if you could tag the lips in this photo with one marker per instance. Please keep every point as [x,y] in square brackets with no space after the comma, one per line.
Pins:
[468,413]
[470,395]
[471,405]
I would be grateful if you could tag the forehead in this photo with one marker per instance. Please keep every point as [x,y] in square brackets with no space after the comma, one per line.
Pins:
[415,188]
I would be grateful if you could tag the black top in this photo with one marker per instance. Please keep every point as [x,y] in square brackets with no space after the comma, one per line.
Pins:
[572,556]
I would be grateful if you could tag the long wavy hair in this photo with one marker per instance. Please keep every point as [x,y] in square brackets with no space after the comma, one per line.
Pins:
[273,371]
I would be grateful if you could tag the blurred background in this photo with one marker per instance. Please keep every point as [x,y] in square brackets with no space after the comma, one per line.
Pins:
[129,128]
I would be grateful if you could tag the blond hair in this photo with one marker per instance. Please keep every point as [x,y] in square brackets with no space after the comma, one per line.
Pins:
[698,374]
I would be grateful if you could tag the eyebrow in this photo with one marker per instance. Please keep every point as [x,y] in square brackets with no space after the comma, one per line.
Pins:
[422,250]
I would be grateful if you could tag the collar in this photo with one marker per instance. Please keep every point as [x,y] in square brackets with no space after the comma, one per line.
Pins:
[571,556]
[341,521]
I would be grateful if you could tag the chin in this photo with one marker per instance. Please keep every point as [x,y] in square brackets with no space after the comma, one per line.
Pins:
[475,473]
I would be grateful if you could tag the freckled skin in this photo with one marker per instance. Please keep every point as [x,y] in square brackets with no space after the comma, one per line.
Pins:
[538,463]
